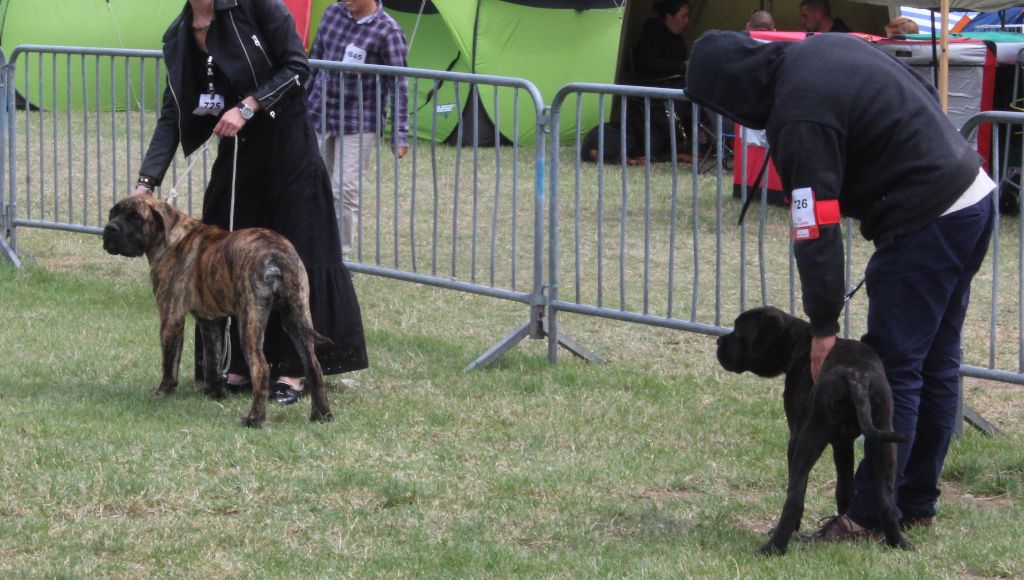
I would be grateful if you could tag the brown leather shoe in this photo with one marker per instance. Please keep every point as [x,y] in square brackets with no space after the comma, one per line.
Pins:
[841,529]
[909,522]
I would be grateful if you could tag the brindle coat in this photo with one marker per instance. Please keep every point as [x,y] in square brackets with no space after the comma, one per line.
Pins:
[213,273]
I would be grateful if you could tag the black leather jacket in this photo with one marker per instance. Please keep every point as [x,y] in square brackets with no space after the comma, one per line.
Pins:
[255,45]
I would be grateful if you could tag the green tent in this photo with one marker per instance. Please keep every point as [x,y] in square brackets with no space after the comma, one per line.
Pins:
[548,42]
[432,47]
[84,23]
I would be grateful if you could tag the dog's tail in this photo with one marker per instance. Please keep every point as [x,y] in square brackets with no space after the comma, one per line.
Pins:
[319,339]
[862,404]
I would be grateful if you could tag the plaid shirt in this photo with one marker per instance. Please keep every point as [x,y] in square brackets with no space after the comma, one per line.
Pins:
[384,43]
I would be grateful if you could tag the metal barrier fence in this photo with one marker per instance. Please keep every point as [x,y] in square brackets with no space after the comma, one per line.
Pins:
[671,259]
[631,237]
[455,216]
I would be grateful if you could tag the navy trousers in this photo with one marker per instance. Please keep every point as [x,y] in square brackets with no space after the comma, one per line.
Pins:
[918,286]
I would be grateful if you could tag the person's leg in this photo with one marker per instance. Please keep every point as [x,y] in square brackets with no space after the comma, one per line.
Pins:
[331,147]
[917,288]
[355,155]
[918,490]
[902,317]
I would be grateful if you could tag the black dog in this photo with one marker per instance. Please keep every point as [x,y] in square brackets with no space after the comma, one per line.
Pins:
[851,397]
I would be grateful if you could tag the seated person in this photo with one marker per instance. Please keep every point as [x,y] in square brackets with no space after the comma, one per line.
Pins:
[761,20]
[816,16]
[901,26]
[659,58]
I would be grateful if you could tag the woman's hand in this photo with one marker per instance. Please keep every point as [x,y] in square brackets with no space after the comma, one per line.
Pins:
[142,190]
[231,122]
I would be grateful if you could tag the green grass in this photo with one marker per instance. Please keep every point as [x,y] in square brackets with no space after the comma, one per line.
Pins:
[657,463]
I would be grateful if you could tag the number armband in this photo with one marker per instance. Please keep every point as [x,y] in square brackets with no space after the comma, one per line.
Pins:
[808,215]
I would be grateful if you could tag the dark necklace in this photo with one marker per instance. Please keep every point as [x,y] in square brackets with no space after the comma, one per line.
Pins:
[202,27]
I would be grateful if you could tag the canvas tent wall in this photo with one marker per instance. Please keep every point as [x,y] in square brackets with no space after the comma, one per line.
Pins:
[972,73]
[134,24]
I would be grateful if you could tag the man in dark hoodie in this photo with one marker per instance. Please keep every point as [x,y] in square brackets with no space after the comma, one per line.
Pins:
[854,132]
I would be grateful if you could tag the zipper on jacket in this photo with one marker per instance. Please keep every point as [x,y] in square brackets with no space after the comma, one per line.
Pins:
[255,81]
[177,105]
[256,41]
[280,88]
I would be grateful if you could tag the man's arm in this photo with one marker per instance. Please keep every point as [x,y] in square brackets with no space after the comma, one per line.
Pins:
[811,158]
[394,54]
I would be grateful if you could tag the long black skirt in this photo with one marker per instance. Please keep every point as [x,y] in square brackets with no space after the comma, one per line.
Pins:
[283,185]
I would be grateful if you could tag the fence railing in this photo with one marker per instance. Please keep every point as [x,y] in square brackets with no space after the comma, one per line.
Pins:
[638,230]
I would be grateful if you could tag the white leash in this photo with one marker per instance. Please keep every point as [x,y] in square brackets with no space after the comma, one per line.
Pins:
[226,351]
[173,193]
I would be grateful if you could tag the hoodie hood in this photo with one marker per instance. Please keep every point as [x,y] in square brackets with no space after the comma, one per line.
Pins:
[734,75]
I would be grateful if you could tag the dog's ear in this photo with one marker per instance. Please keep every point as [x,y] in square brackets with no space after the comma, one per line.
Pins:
[766,333]
[165,217]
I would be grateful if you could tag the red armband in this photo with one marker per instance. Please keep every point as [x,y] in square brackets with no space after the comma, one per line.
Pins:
[808,215]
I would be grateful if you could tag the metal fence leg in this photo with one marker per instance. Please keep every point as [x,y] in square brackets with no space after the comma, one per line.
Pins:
[974,419]
[6,249]
[535,328]
[569,344]
[503,346]
[965,414]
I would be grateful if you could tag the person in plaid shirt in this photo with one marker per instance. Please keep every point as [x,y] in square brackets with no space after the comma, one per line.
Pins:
[356,31]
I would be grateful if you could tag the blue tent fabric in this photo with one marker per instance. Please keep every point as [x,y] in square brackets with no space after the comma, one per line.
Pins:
[923,17]
[1008,16]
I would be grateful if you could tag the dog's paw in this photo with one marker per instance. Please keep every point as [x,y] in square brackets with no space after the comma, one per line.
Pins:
[316,417]
[771,549]
[905,544]
[252,422]
[218,392]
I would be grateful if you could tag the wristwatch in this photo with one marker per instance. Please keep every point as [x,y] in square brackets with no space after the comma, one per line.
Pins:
[247,112]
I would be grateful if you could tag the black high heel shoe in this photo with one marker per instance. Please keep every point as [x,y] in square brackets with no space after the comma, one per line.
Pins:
[282,393]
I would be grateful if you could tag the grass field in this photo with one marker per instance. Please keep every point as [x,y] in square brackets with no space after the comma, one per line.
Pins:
[657,463]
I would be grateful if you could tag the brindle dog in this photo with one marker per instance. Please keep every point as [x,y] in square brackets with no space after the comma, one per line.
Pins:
[851,397]
[213,273]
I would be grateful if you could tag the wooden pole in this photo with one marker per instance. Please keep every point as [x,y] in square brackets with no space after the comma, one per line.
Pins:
[944,58]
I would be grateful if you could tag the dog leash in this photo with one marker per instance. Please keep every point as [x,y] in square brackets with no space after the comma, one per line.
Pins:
[757,186]
[173,193]
[226,350]
[854,291]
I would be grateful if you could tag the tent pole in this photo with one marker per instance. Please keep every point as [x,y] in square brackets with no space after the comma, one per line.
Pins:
[944,59]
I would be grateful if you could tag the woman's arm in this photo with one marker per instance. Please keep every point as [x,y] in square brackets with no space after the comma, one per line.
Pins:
[164,142]
[291,67]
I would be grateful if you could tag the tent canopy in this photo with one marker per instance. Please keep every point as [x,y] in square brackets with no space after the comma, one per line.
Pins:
[973,5]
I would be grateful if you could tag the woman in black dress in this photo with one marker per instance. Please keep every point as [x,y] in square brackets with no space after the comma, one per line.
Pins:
[236,70]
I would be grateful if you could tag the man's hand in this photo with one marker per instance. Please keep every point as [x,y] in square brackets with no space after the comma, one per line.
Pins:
[401,150]
[820,347]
